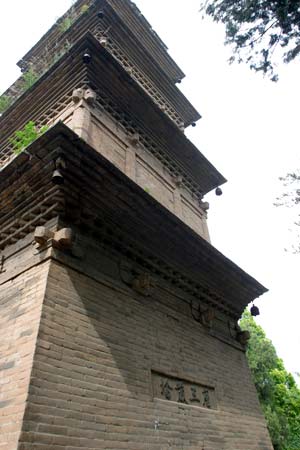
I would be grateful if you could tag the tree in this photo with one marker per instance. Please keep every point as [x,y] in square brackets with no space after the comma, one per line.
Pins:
[277,390]
[291,199]
[259,30]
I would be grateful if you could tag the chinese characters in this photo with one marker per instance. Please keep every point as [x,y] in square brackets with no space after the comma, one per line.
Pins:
[182,391]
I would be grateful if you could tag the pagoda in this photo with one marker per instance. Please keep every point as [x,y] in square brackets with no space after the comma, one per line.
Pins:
[119,319]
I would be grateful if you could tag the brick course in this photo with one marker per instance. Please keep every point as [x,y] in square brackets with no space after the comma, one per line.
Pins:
[91,378]
[20,304]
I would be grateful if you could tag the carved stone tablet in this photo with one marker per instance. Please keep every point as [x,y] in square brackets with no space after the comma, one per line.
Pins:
[183,391]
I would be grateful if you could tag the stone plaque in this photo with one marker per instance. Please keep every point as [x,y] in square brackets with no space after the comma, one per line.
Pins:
[182,391]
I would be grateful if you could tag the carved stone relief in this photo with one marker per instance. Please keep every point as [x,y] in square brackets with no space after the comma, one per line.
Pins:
[183,391]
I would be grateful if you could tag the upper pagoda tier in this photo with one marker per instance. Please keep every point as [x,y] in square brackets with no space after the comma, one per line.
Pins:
[105,73]
[126,34]
[91,92]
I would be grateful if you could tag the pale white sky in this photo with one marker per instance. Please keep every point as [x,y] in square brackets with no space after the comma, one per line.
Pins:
[249,130]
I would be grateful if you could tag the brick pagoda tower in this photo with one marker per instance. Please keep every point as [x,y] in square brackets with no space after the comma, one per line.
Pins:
[119,319]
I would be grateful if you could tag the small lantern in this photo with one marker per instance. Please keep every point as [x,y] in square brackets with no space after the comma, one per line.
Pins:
[100,14]
[254,311]
[23,65]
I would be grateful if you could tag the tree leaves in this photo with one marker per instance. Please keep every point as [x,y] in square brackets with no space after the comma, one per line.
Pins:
[277,390]
[260,32]
[22,138]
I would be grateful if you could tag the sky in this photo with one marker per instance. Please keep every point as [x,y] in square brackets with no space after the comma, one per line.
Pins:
[249,131]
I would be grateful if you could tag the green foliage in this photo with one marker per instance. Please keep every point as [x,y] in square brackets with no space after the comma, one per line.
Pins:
[84,8]
[28,134]
[278,393]
[39,65]
[65,24]
[258,30]
[5,102]
[56,56]
[71,16]
[28,79]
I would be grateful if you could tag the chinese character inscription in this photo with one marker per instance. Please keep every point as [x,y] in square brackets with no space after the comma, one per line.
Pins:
[183,391]
[166,389]
[180,389]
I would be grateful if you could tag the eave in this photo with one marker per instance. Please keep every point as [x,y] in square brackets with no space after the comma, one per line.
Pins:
[105,74]
[134,99]
[125,32]
[133,20]
[105,203]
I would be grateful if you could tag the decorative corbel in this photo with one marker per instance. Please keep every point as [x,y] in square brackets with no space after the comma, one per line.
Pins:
[178,180]
[83,100]
[134,139]
[90,97]
[208,316]
[61,239]
[42,235]
[204,205]
[243,336]
[205,317]
[142,283]
[77,95]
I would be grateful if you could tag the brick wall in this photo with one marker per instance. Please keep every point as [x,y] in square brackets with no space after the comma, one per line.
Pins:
[20,310]
[109,139]
[92,385]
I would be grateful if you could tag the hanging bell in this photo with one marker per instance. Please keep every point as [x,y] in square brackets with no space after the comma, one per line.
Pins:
[57,177]
[254,311]
[23,65]
[100,14]
[86,58]
[218,191]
